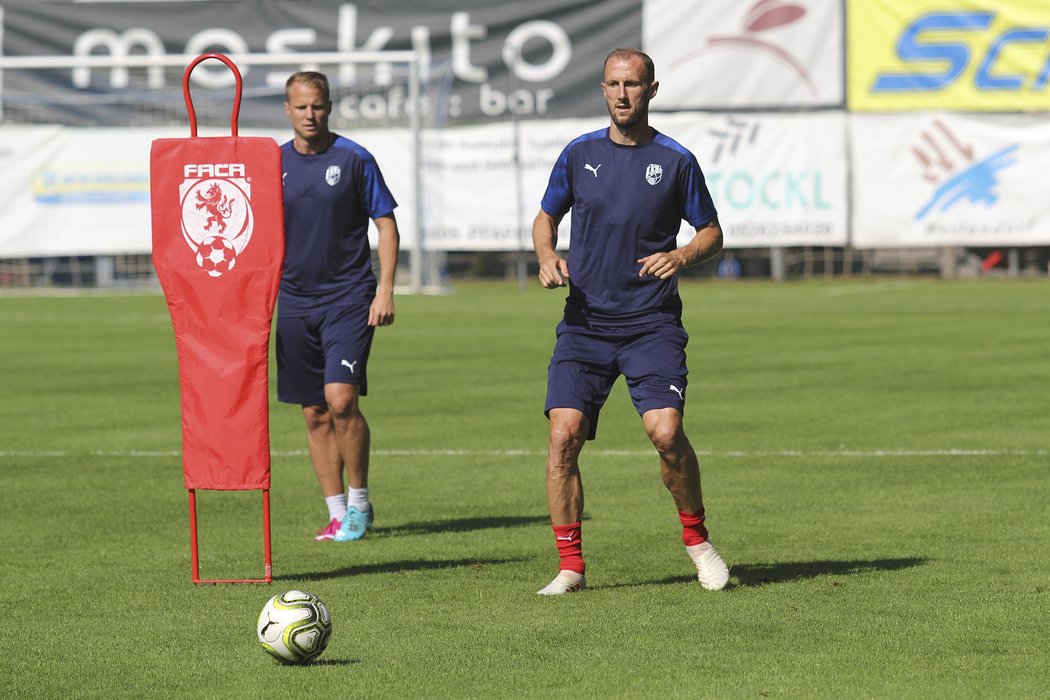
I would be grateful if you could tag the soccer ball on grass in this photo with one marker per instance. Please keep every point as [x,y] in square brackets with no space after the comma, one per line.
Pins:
[294,627]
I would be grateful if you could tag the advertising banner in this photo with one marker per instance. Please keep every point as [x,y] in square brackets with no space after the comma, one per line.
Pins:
[74,191]
[479,195]
[968,55]
[534,58]
[727,54]
[78,191]
[776,179]
[947,179]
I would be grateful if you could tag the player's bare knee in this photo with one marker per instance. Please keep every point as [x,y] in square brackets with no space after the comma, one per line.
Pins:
[667,437]
[342,401]
[344,410]
[566,439]
[317,417]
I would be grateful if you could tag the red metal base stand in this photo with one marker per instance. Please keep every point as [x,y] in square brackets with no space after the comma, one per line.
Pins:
[195,562]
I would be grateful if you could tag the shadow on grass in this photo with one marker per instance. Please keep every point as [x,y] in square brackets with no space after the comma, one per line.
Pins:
[460,525]
[334,662]
[753,575]
[395,567]
[763,574]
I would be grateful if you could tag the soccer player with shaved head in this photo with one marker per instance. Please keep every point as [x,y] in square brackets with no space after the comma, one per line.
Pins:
[629,188]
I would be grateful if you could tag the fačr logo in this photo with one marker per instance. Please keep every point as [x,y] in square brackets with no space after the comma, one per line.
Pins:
[213,170]
[217,217]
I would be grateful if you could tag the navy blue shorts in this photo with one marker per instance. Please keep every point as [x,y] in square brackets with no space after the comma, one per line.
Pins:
[586,363]
[325,348]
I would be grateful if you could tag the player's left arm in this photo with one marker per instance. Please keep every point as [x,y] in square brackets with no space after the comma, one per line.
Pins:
[381,313]
[705,244]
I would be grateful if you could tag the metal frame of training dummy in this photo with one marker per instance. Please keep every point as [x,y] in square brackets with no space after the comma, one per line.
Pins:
[194,539]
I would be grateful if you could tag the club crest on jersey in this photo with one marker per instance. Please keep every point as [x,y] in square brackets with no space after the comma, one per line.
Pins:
[332,175]
[654,173]
[217,218]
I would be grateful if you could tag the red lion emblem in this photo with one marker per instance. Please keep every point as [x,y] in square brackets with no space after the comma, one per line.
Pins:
[219,207]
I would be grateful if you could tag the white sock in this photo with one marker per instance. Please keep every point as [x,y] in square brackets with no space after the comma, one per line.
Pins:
[336,506]
[358,498]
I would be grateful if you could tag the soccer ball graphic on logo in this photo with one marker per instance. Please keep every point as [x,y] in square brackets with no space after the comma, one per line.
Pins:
[294,627]
[216,255]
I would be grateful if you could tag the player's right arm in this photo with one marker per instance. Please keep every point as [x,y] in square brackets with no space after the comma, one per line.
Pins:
[554,270]
[381,312]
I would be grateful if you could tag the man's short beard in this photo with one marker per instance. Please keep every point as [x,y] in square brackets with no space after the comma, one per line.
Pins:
[636,117]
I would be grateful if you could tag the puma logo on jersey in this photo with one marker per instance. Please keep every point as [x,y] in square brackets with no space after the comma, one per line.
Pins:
[351,365]
[680,392]
[593,168]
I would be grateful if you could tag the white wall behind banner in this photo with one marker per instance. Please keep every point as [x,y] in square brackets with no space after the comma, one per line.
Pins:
[933,179]
[727,54]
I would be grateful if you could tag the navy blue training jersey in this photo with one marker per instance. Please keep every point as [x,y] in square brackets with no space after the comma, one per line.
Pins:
[328,200]
[627,202]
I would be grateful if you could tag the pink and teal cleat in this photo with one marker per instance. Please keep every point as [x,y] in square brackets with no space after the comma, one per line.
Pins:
[355,524]
[328,532]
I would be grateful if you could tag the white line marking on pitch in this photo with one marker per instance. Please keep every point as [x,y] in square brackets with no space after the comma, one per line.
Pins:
[539,453]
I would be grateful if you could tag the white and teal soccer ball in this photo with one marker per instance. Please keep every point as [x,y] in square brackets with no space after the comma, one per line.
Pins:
[294,627]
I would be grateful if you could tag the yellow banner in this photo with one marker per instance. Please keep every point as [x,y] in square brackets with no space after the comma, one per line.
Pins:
[971,55]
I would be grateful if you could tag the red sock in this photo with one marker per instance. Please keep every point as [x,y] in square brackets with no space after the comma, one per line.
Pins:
[570,547]
[693,530]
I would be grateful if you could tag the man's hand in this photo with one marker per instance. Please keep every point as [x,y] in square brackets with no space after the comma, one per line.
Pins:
[554,271]
[705,244]
[381,312]
[662,265]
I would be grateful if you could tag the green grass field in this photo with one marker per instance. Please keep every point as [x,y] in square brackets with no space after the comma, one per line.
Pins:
[875,462]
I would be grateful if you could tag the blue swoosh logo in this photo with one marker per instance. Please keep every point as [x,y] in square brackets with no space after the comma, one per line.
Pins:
[977,183]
